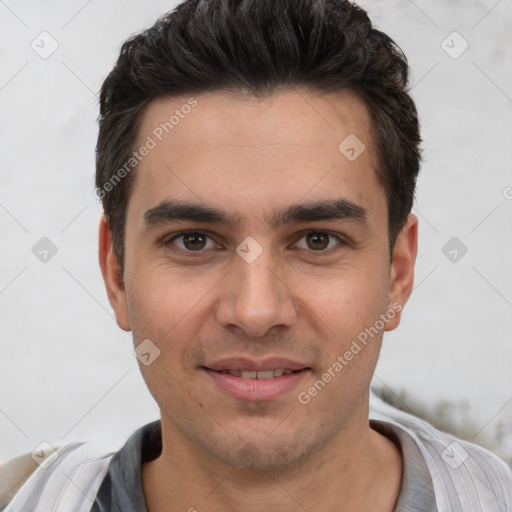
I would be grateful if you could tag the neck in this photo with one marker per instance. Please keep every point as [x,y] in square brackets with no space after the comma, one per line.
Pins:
[358,470]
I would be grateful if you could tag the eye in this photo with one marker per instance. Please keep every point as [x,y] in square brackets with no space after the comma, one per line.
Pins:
[192,241]
[318,241]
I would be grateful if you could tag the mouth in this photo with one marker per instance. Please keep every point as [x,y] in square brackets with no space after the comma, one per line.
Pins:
[261,375]
[245,379]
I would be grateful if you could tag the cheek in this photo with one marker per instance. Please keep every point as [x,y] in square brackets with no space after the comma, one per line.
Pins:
[344,302]
[168,310]
[164,303]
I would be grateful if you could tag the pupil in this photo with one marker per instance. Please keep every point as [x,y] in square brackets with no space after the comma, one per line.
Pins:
[194,241]
[318,241]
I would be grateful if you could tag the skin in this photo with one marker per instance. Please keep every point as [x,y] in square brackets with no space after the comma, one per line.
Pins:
[250,157]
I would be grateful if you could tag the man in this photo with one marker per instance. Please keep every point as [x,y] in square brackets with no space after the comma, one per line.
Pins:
[257,163]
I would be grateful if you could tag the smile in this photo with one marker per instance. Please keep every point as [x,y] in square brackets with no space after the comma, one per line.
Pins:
[264,374]
[257,385]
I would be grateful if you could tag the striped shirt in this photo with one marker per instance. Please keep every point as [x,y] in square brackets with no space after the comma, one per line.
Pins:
[441,473]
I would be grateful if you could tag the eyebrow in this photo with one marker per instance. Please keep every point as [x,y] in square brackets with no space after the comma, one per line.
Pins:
[331,210]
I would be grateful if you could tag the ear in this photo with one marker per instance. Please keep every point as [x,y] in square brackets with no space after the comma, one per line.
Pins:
[110,270]
[402,269]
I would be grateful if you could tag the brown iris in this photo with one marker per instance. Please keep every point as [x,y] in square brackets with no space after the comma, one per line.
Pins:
[194,241]
[317,241]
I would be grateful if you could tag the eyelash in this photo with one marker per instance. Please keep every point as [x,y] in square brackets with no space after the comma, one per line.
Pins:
[168,242]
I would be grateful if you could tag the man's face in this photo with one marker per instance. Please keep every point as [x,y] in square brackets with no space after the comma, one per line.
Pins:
[284,263]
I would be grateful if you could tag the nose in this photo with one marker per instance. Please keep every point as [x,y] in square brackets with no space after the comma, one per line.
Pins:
[256,298]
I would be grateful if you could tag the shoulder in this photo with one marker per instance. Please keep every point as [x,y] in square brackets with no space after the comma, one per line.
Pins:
[13,475]
[29,483]
[461,472]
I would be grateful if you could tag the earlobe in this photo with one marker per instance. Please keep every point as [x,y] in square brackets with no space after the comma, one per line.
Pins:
[402,269]
[114,284]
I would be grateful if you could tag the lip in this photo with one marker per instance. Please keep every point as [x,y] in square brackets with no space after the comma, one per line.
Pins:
[245,364]
[256,389]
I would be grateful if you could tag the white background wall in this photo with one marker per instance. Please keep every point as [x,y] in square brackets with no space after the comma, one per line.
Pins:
[67,371]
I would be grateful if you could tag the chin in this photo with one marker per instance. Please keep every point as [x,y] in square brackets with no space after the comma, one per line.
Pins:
[264,453]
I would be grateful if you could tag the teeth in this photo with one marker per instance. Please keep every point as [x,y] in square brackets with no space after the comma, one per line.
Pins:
[264,374]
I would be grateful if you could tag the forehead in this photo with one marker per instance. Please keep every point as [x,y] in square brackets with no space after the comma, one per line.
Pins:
[218,148]
[309,119]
